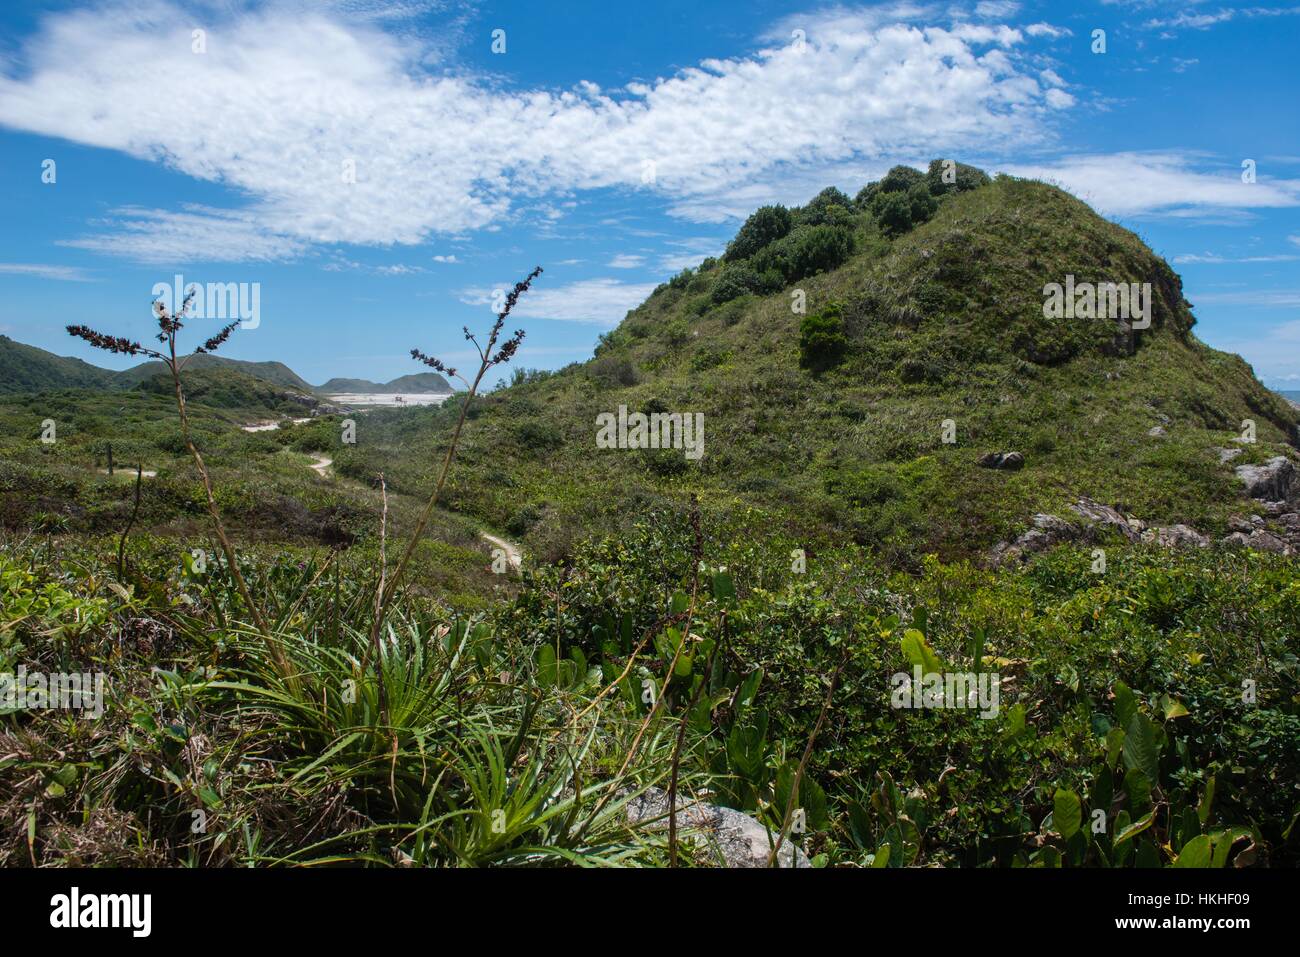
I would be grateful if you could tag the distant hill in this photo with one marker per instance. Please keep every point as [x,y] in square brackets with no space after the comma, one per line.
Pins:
[1291,395]
[26,368]
[277,373]
[421,382]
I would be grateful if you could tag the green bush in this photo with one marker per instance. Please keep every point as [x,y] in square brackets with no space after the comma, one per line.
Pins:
[766,225]
[822,343]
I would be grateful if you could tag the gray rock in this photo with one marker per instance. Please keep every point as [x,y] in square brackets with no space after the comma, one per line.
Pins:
[1130,528]
[1157,432]
[734,839]
[1002,460]
[1270,482]
[1227,455]
[1176,536]
[1260,540]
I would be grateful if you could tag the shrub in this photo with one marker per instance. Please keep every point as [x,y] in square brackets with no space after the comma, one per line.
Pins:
[893,211]
[739,279]
[922,203]
[966,178]
[805,252]
[614,370]
[830,207]
[766,225]
[538,436]
[900,179]
[822,343]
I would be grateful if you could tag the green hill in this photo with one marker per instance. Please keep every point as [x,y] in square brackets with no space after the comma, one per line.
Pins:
[420,382]
[25,368]
[276,373]
[924,315]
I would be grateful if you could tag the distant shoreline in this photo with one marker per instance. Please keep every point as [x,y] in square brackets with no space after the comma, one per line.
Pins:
[390,399]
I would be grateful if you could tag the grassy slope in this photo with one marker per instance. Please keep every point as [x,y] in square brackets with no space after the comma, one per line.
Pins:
[945,322]
[25,368]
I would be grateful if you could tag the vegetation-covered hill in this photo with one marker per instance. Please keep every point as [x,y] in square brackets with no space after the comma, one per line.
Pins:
[426,382]
[25,368]
[831,424]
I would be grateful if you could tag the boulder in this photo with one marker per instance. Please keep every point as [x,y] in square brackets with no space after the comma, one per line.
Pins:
[732,838]
[1002,460]
[1176,536]
[1270,482]
[1130,528]
[1260,540]
[1227,455]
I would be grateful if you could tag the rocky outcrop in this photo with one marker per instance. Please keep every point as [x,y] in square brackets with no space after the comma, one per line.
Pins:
[1176,536]
[730,838]
[1260,540]
[1095,512]
[1274,481]
[1096,519]
[1009,461]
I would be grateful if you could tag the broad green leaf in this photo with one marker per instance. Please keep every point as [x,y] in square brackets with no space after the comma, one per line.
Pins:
[918,652]
[1125,704]
[1173,708]
[881,858]
[1066,813]
[1134,829]
[1140,753]
[1207,801]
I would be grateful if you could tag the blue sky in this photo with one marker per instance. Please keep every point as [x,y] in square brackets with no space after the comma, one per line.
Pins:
[613,144]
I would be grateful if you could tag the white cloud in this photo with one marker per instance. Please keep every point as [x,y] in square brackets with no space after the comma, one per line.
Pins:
[626,261]
[283,100]
[43,271]
[604,301]
[1131,184]
[996,9]
[1263,298]
[198,233]
[1214,258]
[446,259]
[1048,30]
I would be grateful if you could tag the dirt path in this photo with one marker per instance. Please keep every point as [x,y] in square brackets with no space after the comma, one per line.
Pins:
[513,554]
[270,426]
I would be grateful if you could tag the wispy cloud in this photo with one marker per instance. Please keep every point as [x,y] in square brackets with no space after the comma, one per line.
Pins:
[338,132]
[1131,184]
[43,271]
[1214,258]
[604,301]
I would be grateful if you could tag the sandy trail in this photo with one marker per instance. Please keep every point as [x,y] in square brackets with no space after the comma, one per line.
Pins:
[270,426]
[513,554]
